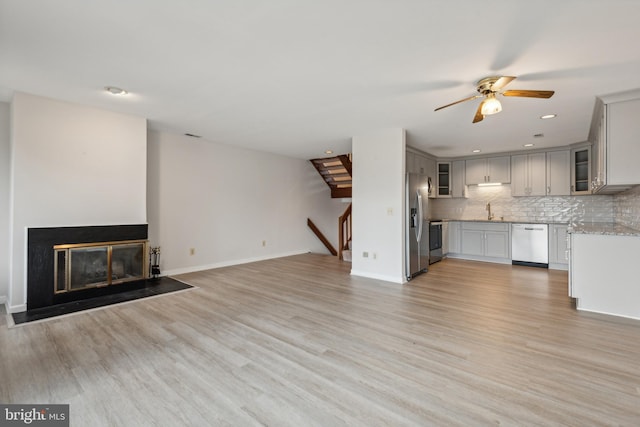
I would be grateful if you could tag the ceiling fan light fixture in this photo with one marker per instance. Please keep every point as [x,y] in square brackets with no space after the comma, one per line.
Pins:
[491,105]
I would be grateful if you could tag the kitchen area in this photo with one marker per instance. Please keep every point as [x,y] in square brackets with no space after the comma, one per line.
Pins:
[574,208]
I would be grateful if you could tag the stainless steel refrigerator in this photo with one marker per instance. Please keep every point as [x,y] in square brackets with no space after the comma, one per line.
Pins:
[417,224]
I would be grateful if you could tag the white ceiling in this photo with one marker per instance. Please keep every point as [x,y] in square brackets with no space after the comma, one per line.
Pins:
[297,77]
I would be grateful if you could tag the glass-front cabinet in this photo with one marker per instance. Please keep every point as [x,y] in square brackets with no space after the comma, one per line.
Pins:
[444,179]
[581,170]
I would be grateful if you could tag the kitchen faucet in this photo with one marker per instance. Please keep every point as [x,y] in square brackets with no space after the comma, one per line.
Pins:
[489,215]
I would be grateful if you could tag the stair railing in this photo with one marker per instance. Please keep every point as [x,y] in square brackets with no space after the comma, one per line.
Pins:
[344,231]
[321,236]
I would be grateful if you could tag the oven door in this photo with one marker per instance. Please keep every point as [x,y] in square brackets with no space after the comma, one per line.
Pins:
[435,242]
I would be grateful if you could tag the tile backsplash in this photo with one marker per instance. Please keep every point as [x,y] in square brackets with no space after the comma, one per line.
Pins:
[564,209]
[627,208]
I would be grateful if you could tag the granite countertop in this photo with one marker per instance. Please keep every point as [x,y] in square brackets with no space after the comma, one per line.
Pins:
[603,228]
[506,221]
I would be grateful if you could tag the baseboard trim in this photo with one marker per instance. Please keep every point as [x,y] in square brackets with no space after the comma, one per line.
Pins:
[16,308]
[606,313]
[382,277]
[193,269]
[554,266]
[480,258]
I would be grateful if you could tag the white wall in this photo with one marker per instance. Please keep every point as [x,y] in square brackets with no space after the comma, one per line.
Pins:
[223,201]
[378,204]
[4,200]
[71,166]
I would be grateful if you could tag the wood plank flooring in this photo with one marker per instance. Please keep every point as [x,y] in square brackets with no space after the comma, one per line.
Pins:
[297,341]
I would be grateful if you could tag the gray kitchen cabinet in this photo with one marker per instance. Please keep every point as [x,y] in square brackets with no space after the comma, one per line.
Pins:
[558,246]
[528,175]
[485,239]
[454,237]
[616,138]
[472,242]
[445,238]
[412,162]
[458,185]
[581,170]
[488,170]
[558,173]
[430,170]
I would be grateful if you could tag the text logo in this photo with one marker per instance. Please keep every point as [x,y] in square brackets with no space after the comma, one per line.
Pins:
[34,415]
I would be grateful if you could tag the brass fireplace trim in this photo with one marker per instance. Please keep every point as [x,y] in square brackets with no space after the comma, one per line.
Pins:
[109,246]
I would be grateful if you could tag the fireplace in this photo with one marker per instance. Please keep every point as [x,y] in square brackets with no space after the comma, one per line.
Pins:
[82,266]
[66,264]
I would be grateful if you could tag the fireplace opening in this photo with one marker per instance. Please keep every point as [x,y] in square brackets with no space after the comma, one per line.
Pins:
[82,266]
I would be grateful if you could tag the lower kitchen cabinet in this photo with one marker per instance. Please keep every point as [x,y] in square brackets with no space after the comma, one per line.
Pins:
[558,247]
[453,232]
[484,241]
[445,238]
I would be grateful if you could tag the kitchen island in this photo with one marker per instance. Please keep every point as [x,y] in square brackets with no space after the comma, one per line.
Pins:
[603,269]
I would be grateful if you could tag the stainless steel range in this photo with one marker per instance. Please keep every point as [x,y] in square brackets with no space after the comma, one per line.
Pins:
[435,240]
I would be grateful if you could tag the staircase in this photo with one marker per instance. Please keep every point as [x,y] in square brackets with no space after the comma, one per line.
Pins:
[336,172]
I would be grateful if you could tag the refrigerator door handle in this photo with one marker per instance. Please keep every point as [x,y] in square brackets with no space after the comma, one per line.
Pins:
[420,216]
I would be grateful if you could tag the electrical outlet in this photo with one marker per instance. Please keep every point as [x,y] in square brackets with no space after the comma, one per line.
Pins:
[192,251]
[365,254]
[375,255]
[390,211]
[264,243]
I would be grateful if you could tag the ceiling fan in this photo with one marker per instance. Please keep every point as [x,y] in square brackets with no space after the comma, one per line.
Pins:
[489,87]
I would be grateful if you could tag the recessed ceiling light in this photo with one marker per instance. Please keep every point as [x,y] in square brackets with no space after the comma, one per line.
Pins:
[476,151]
[548,116]
[328,151]
[115,90]
[528,145]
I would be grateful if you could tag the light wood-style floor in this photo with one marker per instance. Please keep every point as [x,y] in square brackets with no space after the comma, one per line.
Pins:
[298,342]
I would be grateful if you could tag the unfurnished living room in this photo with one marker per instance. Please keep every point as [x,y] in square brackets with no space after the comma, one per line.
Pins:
[319,213]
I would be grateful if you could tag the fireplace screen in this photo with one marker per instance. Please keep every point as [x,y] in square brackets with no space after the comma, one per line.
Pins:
[82,266]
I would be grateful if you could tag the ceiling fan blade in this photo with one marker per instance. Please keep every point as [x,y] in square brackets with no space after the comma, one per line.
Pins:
[478,117]
[502,82]
[458,102]
[529,93]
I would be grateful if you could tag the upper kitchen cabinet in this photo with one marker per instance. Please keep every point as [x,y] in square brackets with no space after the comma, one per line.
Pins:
[443,179]
[581,170]
[429,166]
[615,133]
[458,186]
[558,173]
[419,163]
[488,170]
[450,179]
[528,175]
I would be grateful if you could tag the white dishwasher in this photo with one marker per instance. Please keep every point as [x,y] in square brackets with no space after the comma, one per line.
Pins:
[530,245]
